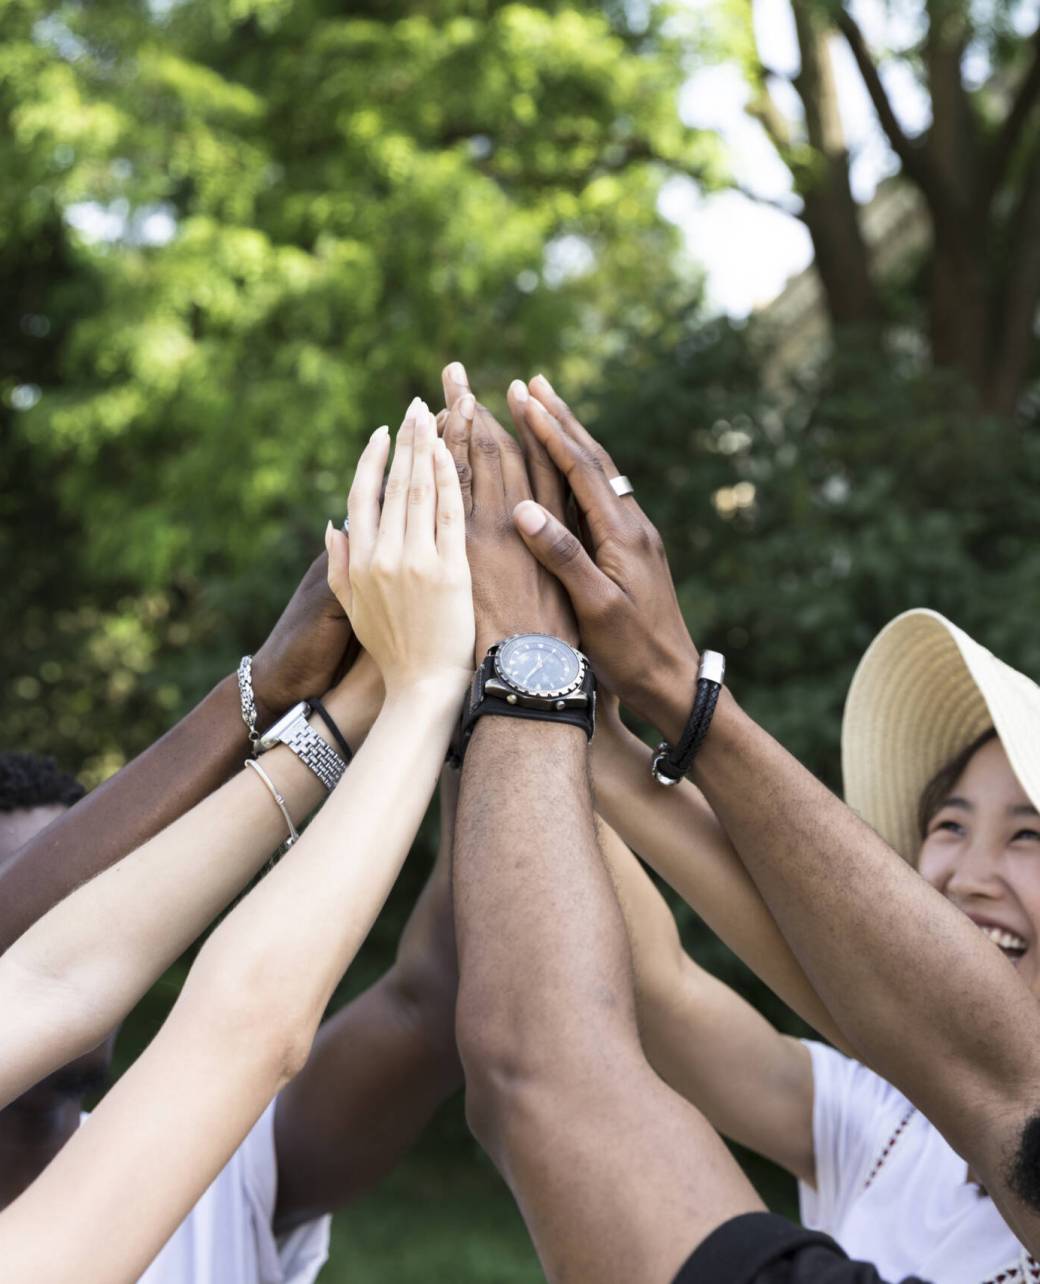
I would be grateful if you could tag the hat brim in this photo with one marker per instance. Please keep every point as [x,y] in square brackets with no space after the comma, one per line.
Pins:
[924,691]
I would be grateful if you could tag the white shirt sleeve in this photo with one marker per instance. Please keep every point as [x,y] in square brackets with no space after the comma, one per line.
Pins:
[852,1109]
[294,1258]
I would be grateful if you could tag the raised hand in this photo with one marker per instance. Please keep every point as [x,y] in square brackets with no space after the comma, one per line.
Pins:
[404,579]
[511,592]
[621,587]
[309,647]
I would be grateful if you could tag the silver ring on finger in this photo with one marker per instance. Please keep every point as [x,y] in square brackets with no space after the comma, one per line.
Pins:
[621,486]
[346,526]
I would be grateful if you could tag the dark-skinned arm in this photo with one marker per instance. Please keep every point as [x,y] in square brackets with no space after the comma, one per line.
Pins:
[300,658]
[616,1176]
[908,979]
[381,1066]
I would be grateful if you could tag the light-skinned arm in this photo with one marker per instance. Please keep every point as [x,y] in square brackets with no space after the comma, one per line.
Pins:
[381,1066]
[301,657]
[679,836]
[752,1083]
[246,1018]
[76,973]
[911,983]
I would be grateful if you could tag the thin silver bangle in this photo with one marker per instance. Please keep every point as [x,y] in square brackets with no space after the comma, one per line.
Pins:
[273,790]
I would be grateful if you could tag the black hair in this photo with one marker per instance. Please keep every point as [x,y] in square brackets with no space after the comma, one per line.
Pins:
[937,790]
[27,780]
[1023,1174]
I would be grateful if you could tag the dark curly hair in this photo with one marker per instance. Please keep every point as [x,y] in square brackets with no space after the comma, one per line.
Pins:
[27,780]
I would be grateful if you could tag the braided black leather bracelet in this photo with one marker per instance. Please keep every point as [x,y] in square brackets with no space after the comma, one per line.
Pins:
[669,764]
[317,707]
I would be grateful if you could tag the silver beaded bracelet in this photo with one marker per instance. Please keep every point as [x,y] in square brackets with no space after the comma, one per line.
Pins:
[245,693]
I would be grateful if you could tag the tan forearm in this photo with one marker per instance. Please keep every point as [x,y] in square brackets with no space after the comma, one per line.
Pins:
[862,922]
[677,833]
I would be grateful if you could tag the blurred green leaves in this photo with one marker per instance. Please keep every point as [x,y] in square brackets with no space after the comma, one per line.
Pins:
[238,237]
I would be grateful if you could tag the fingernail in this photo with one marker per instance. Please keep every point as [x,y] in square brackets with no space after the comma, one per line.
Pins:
[328,536]
[519,389]
[545,381]
[457,373]
[413,407]
[529,516]
[382,431]
[468,406]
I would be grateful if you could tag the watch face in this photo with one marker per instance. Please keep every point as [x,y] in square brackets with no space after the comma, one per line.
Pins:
[538,664]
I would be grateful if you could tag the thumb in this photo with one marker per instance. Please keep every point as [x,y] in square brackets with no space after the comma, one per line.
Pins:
[561,553]
[338,547]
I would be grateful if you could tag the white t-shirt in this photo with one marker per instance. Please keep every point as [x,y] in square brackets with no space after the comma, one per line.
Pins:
[227,1237]
[892,1192]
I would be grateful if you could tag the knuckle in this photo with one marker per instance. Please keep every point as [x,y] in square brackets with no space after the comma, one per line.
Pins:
[418,493]
[564,548]
[393,489]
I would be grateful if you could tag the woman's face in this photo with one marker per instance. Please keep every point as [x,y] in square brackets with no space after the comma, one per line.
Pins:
[982,851]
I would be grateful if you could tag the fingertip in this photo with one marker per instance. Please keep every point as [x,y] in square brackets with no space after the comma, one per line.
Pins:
[518,391]
[467,407]
[530,518]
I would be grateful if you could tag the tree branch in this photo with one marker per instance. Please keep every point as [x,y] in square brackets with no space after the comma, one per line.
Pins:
[912,156]
[764,109]
[771,202]
[1010,132]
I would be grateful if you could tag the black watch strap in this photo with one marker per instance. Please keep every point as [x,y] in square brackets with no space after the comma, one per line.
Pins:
[317,707]
[478,704]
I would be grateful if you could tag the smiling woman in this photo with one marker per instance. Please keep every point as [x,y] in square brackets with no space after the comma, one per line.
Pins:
[980,843]
[938,747]
[938,756]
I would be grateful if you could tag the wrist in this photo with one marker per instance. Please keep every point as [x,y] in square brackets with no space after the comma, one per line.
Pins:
[430,692]
[665,696]
[723,738]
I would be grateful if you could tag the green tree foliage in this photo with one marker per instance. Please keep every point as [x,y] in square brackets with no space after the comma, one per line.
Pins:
[306,211]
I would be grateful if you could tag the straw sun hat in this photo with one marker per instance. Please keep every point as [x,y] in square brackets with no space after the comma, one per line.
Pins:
[922,693]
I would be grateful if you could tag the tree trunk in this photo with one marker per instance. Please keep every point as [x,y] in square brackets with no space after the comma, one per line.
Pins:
[831,213]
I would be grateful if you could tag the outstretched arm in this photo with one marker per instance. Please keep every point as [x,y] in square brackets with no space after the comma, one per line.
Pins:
[753,1084]
[300,658]
[677,833]
[73,976]
[381,1066]
[245,1021]
[860,921]
[617,1177]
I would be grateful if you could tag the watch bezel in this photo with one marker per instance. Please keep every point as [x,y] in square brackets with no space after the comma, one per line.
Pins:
[504,677]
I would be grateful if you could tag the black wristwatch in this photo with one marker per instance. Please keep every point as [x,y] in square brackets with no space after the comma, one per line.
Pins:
[530,675]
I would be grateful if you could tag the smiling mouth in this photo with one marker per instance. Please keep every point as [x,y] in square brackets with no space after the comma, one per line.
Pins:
[1010,944]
